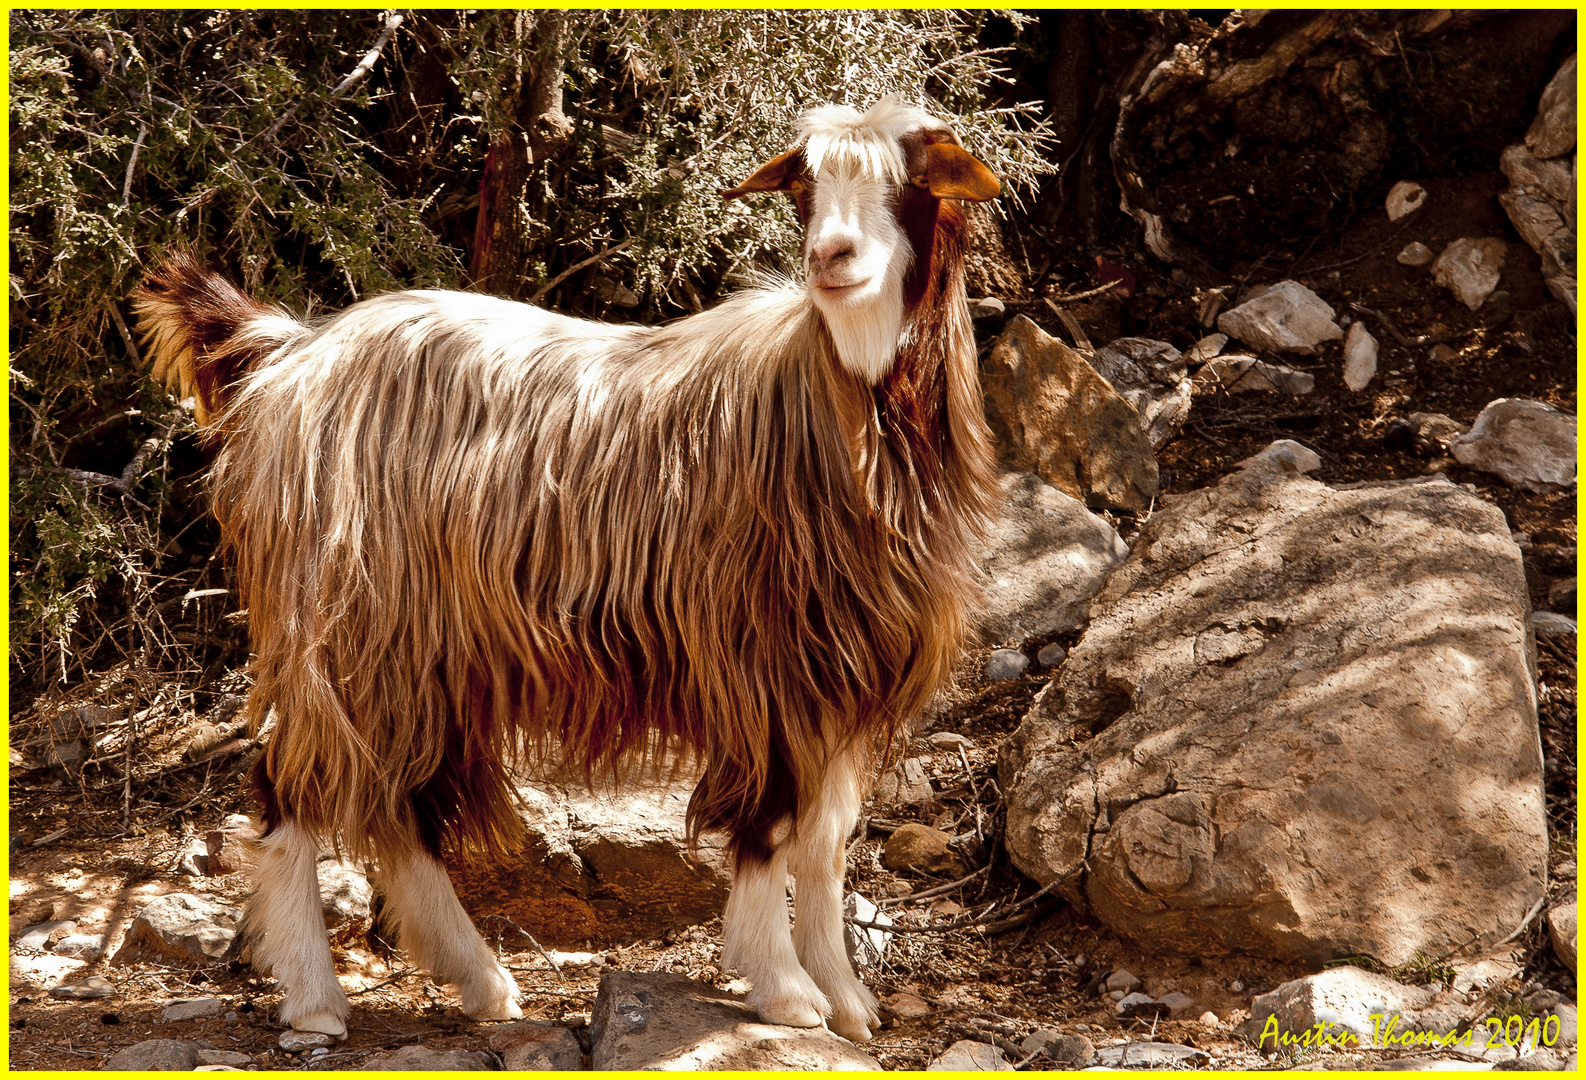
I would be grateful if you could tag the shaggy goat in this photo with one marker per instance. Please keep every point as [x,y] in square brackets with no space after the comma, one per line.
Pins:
[469,531]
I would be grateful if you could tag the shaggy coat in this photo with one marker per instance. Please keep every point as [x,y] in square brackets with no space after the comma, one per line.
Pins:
[471,532]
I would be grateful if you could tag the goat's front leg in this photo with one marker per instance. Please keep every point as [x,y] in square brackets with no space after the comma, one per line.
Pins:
[757,943]
[285,927]
[435,931]
[819,862]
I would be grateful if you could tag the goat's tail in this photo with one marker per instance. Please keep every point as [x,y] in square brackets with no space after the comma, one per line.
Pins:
[202,333]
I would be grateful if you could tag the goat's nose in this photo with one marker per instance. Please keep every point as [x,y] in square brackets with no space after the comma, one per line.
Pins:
[827,254]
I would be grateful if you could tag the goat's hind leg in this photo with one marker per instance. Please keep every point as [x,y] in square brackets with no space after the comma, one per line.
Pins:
[437,934]
[756,941]
[819,862]
[285,926]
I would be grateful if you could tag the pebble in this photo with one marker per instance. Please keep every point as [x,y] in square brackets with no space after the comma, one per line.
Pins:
[1405,198]
[1051,655]
[950,740]
[1416,253]
[1470,268]
[1360,357]
[987,307]
[82,946]
[95,986]
[1006,664]
[1123,980]
[967,1055]
[223,1057]
[196,1009]
[906,1006]
[1206,348]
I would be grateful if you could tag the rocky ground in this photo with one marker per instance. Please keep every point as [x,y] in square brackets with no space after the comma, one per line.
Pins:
[1036,980]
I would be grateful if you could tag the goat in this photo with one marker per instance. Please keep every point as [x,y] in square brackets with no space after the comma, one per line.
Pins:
[470,531]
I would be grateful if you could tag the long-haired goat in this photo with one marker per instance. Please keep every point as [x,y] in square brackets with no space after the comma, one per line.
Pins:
[468,529]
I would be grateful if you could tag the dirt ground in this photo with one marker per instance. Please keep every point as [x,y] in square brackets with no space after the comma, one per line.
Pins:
[95,849]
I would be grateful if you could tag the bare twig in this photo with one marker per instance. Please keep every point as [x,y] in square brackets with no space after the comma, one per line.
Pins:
[532,941]
[404,973]
[1536,907]
[1074,298]
[935,891]
[344,87]
[132,163]
[598,256]
[126,338]
[962,924]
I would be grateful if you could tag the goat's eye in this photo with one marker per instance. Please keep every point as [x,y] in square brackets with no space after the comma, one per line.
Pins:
[796,187]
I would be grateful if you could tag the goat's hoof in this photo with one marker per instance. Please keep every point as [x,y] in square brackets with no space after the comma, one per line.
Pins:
[791,1008]
[854,1029]
[506,1010]
[492,995]
[323,1023]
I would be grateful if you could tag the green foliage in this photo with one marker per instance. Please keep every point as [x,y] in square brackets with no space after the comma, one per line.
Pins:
[238,133]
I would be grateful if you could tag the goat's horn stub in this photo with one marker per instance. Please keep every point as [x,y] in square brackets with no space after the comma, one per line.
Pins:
[777,174]
[951,172]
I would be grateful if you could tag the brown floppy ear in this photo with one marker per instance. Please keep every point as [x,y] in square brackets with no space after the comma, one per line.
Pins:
[777,174]
[951,172]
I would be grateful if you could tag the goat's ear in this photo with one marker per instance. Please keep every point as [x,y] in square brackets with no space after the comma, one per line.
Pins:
[777,174]
[951,172]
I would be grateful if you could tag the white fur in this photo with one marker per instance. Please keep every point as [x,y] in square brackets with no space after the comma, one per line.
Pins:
[818,863]
[437,934]
[756,942]
[287,931]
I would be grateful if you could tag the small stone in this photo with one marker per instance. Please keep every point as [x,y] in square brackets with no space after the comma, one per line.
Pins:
[905,1006]
[1360,357]
[180,927]
[1551,624]
[1179,1004]
[987,307]
[1287,317]
[1149,1055]
[1552,133]
[1116,996]
[92,988]
[1284,456]
[1566,1016]
[1416,253]
[967,1055]
[1123,980]
[919,847]
[1141,1006]
[1006,664]
[1471,268]
[1206,348]
[1209,1018]
[866,944]
[1246,374]
[1405,198]
[537,1046]
[37,938]
[295,1042]
[1051,655]
[950,740]
[223,1057]
[1528,444]
[156,1055]
[195,1009]
[423,1059]
[82,946]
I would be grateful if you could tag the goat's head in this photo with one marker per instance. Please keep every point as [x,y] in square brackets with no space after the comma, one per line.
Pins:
[868,188]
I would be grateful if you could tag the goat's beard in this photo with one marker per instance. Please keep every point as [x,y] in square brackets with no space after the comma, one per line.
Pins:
[867,331]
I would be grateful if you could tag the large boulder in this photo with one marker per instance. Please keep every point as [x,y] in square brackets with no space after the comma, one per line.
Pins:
[602,863]
[1053,415]
[1301,725]
[1046,557]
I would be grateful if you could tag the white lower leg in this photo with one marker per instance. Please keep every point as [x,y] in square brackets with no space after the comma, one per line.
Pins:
[819,863]
[286,927]
[756,941]
[435,931]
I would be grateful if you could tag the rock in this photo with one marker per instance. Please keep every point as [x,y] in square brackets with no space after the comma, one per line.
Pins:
[226,848]
[1566,1032]
[1051,655]
[1553,131]
[1561,928]
[1416,253]
[1247,375]
[1140,1007]
[655,1020]
[950,740]
[1221,765]
[1528,444]
[1404,199]
[1006,664]
[296,1042]
[1206,348]
[537,1046]
[155,1055]
[1434,432]
[1541,1061]
[919,847]
[423,1059]
[905,1006]
[1360,357]
[865,944]
[1471,268]
[223,1057]
[966,1055]
[1549,624]
[1341,1000]
[600,862]
[987,307]
[1122,980]
[1540,202]
[904,784]
[1484,971]
[1426,1064]
[1287,317]
[344,894]
[180,928]
[95,987]
[1045,558]
[195,1009]
[1284,456]
[81,946]
[1065,1051]
[194,860]
[1150,1055]
[1152,376]
[37,938]
[1054,416]
[1179,1004]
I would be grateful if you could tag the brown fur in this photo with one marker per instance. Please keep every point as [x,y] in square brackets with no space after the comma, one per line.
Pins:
[468,532]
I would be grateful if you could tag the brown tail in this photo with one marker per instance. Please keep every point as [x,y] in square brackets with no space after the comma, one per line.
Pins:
[202,332]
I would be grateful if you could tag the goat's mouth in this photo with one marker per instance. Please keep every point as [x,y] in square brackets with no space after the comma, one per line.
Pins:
[835,288]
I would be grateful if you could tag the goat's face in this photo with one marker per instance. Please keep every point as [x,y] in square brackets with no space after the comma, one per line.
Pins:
[860,181]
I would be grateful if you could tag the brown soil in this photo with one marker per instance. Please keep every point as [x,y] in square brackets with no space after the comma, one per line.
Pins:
[108,856]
